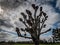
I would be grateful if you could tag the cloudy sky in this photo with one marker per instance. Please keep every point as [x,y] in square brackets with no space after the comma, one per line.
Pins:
[10,13]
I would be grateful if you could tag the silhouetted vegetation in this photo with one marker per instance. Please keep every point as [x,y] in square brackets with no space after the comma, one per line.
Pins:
[34,24]
[56,35]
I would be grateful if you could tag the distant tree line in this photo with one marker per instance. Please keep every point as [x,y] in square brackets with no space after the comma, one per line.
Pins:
[56,35]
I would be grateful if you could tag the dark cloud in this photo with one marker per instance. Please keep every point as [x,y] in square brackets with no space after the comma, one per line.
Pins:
[14,4]
[3,35]
[11,3]
[5,23]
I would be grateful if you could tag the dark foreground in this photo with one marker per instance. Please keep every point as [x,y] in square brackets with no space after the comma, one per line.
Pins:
[27,44]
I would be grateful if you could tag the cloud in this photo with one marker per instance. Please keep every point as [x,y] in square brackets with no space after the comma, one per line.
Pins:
[58,4]
[52,16]
[57,24]
[5,23]
[10,17]
[10,36]
[47,38]
[11,3]
[1,11]
[3,36]
[15,39]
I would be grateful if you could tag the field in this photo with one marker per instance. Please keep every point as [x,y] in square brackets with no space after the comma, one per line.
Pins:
[27,44]
[33,44]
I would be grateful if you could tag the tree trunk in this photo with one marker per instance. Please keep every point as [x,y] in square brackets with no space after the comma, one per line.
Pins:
[35,40]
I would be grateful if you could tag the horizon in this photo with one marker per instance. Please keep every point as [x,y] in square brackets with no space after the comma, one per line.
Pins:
[9,15]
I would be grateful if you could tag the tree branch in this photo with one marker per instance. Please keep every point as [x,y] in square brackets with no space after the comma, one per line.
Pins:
[25,37]
[46,31]
[19,34]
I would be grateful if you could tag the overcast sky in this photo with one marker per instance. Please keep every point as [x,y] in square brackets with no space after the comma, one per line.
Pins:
[10,13]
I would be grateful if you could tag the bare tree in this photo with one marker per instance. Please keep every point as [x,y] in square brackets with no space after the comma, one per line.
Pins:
[34,24]
[56,34]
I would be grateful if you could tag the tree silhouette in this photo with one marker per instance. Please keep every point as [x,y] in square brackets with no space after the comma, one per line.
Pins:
[34,24]
[56,34]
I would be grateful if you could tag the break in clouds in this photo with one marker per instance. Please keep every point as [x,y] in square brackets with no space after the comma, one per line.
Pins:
[10,13]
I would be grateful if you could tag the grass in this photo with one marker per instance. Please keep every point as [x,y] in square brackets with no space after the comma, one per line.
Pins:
[26,44]
[16,44]
[33,44]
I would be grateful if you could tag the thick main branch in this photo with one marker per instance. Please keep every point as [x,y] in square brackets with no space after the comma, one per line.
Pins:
[25,37]
[45,31]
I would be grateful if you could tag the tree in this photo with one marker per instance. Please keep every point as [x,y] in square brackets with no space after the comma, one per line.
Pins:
[34,24]
[56,34]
